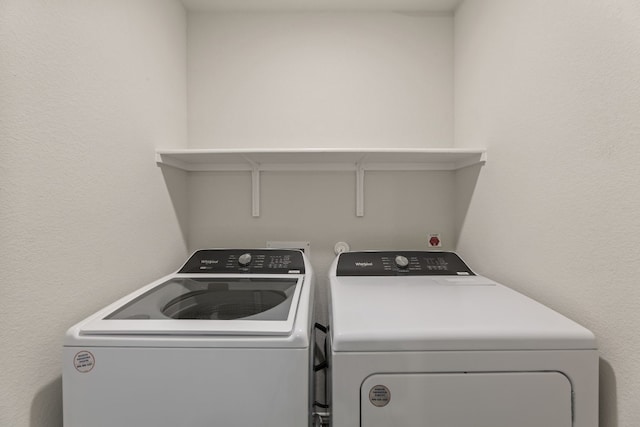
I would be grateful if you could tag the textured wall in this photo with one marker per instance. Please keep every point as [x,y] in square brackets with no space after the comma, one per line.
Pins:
[320,80]
[400,209]
[553,90]
[87,90]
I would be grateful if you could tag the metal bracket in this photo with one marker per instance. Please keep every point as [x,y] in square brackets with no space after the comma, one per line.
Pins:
[255,192]
[359,190]
[255,187]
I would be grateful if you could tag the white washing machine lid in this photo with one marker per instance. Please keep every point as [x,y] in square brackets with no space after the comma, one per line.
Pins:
[442,313]
[210,305]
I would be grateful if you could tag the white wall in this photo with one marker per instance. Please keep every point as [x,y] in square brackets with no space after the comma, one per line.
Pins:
[320,80]
[87,91]
[400,210]
[553,90]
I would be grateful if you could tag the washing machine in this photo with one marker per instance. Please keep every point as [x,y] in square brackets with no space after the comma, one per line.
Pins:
[418,339]
[224,341]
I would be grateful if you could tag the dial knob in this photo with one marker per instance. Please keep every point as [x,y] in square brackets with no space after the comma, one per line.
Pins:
[402,261]
[244,259]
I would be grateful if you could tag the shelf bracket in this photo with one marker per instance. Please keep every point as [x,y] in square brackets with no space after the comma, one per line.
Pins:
[255,188]
[359,189]
[255,192]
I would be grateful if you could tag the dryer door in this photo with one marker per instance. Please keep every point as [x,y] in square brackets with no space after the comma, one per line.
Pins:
[503,399]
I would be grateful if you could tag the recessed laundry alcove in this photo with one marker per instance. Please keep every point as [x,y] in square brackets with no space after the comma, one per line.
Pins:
[92,90]
[344,106]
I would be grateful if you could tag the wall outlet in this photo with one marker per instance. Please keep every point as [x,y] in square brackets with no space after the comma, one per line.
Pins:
[434,240]
[303,246]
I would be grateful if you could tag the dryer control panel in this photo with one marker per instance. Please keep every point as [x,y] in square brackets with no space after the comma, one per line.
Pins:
[245,261]
[401,263]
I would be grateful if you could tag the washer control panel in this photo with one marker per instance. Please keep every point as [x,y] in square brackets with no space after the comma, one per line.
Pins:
[242,261]
[401,263]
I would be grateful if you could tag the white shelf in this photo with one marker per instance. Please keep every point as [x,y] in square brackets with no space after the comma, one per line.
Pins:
[319,159]
[359,161]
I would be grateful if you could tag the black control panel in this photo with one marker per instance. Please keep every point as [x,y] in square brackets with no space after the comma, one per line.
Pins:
[256,261]
[402,263]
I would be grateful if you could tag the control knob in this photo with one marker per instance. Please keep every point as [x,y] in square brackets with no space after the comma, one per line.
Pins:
[402,261]
[244,259]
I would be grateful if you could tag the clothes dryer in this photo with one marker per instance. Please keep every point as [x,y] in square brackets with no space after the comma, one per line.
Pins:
[224,341]
[417,338]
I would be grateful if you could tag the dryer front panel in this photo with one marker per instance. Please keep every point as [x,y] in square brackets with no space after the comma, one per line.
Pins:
[498,399]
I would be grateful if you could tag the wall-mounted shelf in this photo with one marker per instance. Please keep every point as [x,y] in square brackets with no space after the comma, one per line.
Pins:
[359,161]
